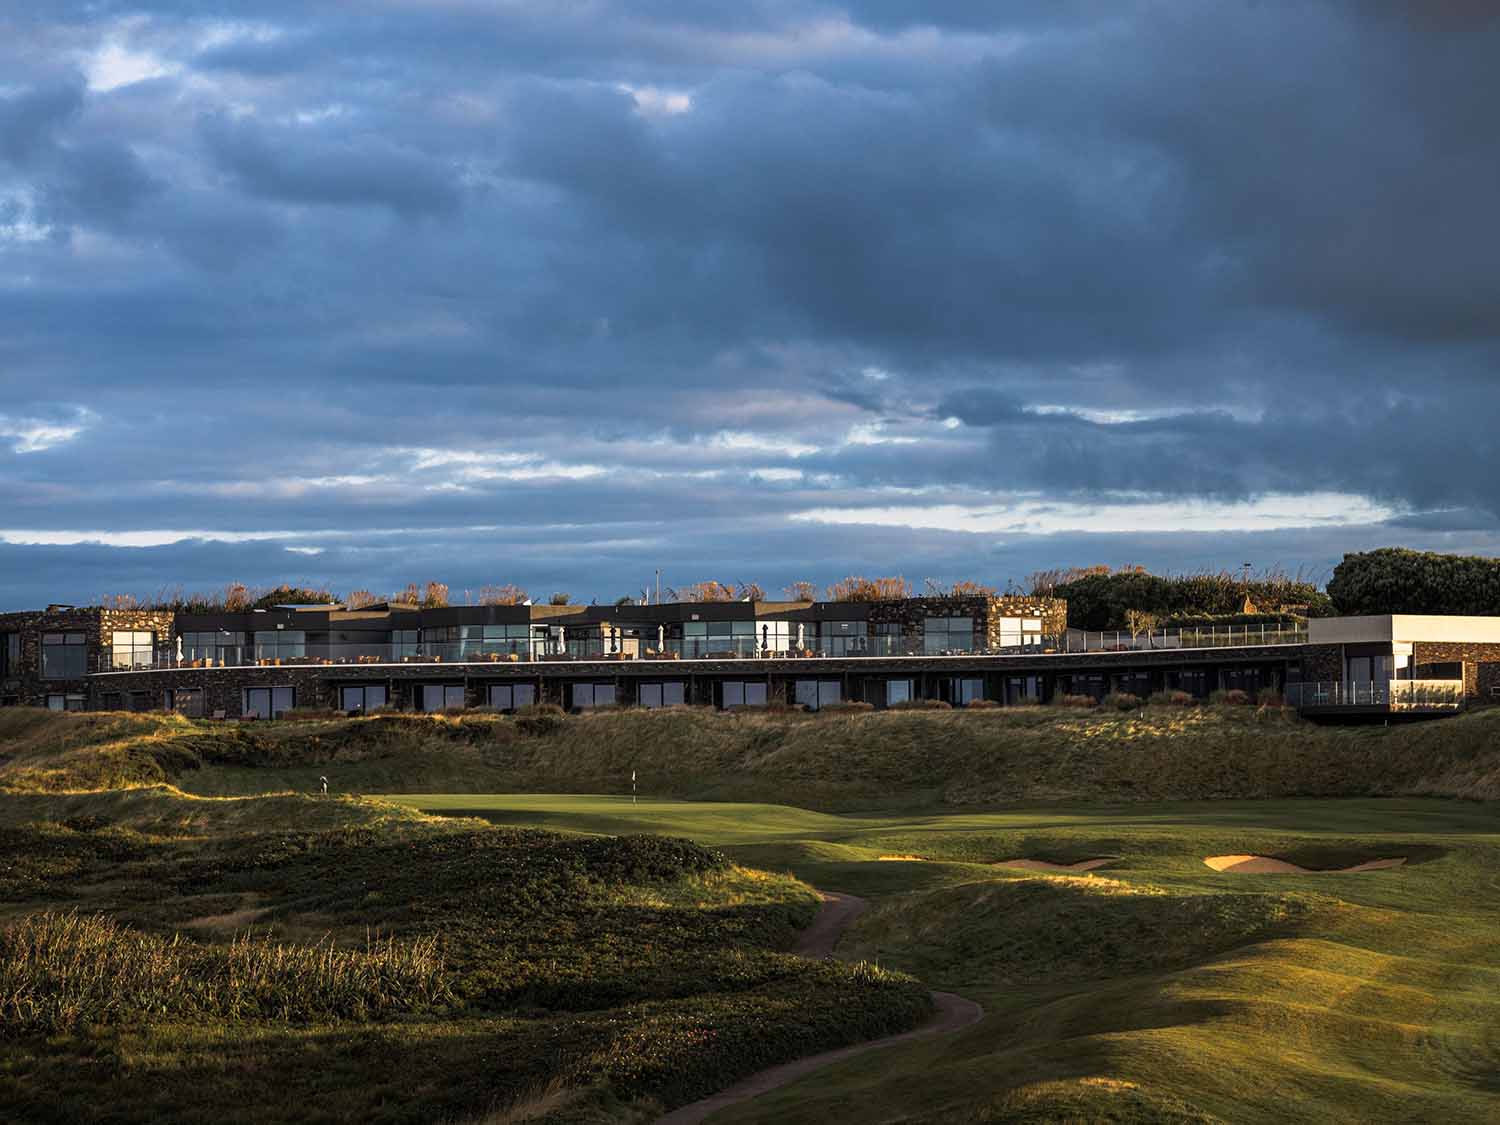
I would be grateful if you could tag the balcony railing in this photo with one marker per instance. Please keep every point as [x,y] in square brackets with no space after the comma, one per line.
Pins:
[690,648]
[1204,636]
[1393,695]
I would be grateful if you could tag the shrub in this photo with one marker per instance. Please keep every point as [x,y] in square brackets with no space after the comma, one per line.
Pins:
[310,714]
[921,705]
[1396,580]
[1063,699]
[846,707]
[1233,696]
[1102,599]
[540,718]
[1173,698]
[802,592]
[1268,697]
[981,705]
[1122,701]
[857,589]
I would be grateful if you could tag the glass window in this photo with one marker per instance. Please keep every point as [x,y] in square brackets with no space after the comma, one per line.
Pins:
[131,649]
[10,654]
[268,703]
[961,690]
[404,643]
[897,691]
[67,702]
[843,638]
[510,697]
[64,656]
[593,695]
[1020,632]
[744,693]
[363,698]
[669,694]
[947,634]
[1023,689]
[814,694]
[280,644]
[703,637]
[442,697]
[219,645]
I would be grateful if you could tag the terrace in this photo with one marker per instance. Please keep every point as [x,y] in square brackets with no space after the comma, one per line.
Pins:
[1376,696]
[555,646]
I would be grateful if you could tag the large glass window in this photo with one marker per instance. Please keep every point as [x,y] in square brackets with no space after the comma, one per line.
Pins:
[814,694]
[362,698]
[10,654]
[511,697]
[404,643]
[1021,632]
[218,645]
[268,702]
[479,641]
[714,638]
[442,697]
[897,691]
[962,690]
[280,644]
[132,649]
[65,702]
[1023,689]
[947,634]
[744,693]
[669,694]
[1194,681]
[593,695]
[64,656]
[888,639]
[843,638]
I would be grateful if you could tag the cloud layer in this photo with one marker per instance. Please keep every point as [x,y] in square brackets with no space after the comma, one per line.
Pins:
[768,290]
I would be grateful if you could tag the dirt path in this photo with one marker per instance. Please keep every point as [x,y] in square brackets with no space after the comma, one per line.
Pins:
[954,1013]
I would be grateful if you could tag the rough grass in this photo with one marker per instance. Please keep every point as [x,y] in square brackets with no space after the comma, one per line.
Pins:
[628,973]
[820,761]
[58,971]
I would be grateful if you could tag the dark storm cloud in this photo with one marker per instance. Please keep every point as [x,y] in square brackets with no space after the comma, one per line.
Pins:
[424,268]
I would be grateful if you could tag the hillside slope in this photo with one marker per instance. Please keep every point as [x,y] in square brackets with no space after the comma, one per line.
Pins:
[815,761]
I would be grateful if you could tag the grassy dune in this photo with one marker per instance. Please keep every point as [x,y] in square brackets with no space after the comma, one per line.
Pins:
[835,761]
[593,980]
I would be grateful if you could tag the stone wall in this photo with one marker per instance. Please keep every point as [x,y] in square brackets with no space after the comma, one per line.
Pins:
[1481,664]
[24,683]
[985,610]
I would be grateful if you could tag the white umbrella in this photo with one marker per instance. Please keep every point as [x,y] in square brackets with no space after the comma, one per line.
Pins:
[800,642]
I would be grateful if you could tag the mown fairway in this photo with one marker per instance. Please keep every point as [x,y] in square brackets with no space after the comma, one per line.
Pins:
[1156,988]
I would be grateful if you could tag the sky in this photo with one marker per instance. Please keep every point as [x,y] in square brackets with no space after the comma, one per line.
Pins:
[562,293]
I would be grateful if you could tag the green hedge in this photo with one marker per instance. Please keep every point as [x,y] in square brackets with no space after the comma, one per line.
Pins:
[1100,601]
[1396,580]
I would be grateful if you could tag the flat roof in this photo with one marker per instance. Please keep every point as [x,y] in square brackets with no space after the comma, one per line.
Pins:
[1403,628]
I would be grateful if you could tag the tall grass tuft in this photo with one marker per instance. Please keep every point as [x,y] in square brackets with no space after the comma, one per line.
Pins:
[59,970]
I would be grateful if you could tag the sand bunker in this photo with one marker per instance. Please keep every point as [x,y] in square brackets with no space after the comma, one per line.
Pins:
[903,858]
[1265,865]
[1065,868]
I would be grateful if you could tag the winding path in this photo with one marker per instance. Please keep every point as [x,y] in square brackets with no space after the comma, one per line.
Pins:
[954,1013]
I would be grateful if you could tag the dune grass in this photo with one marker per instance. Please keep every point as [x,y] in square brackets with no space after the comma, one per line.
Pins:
[837,762]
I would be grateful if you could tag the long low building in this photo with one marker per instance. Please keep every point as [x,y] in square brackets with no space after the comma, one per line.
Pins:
[958,649]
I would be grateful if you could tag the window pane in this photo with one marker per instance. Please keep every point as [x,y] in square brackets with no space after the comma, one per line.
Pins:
[501,697]
[583,695]
[897,691]
[830,692]
[734,694]
[604,695]
[672,694]
[650,695]
[755,695]
[806,693]
[525,695]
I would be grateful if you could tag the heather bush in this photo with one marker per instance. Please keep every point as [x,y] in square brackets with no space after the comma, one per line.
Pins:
[981,705]
[921,705]
[1233,696]
[1063,699]
[1122,701]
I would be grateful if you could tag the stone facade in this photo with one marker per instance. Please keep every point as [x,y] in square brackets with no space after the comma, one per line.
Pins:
[1481,664]
[23,683]
[985,610]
